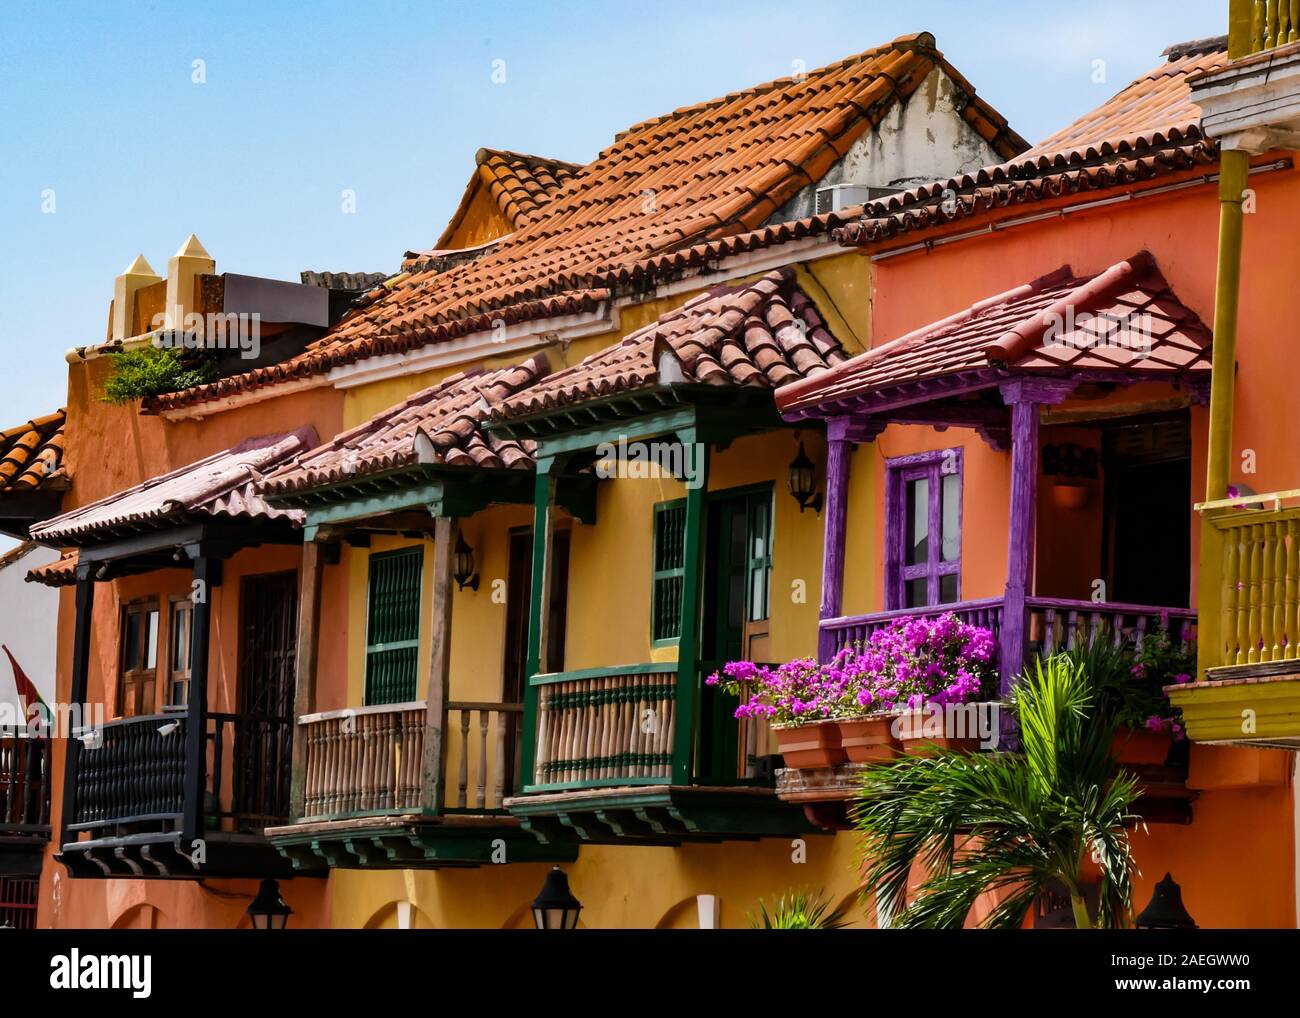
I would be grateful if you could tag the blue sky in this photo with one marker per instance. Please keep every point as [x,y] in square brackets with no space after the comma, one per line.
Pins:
[391,100]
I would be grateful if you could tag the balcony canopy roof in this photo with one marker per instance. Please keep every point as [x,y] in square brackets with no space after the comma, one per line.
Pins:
[223,486]
[1123,324]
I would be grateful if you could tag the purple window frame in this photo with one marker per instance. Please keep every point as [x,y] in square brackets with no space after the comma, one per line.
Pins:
[898,473]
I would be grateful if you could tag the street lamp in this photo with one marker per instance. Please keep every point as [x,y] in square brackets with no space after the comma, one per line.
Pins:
[1165,910]
[268,910]
[463,568]
[555,907]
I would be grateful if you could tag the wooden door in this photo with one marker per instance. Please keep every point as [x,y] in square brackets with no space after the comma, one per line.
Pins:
[264,726]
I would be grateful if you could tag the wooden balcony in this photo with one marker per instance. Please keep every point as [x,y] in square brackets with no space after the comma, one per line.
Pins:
[367,804]
[1050,624]
[631,753]
[134,795]
[24,800]
[1249,660]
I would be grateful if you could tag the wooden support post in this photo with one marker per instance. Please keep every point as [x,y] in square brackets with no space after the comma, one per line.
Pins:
[304,668]
[688,643]
[1234,175]
[1020,541]
[435,719]
[77,695]
[839,450]
[539,603]
[207,577]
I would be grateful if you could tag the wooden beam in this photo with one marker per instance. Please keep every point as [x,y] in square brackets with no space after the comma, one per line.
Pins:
[82,627]
[207,573]
[539,601]
[304,668]
[435,749]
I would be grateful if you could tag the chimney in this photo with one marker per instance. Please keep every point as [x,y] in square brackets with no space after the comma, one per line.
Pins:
[138,274]
[183,271]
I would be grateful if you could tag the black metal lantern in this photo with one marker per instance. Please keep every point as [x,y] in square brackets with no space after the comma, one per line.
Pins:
[463,573]
[1165,911]
[268,910]
[803,482]
[555,907]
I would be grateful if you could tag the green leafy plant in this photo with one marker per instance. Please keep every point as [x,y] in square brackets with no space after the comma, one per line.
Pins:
[798,910]
[1014,824]
[1128,680]
[151,371]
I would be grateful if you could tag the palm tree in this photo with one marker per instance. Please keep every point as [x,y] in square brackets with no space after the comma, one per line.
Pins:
[800,910]
[1016,824]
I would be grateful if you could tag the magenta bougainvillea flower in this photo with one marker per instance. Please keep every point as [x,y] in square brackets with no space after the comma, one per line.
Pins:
[909,663]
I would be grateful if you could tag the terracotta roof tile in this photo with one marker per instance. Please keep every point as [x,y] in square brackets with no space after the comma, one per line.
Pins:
[1052,324]
[31,454]
[223,485]
[762,334]
[519,184]
[1148,129]
[438,426]
[695,176]
[59,573]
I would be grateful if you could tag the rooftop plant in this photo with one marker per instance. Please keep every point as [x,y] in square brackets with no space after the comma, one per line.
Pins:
[151,371]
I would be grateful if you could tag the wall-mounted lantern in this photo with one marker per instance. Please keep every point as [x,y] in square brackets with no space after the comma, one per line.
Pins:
[463,572]
[803,482]
[555,907]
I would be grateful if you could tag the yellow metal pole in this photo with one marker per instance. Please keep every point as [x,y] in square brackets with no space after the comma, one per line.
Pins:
[1234,169]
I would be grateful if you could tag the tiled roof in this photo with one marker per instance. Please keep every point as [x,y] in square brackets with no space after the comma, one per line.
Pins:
[1123,319]
[519,184]
[694,176]
[59,573]
[31,455]
[760,334]
[439,426]
[223,485]
[1150,128]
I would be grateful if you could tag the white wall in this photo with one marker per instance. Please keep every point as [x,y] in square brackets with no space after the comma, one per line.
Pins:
[29,619]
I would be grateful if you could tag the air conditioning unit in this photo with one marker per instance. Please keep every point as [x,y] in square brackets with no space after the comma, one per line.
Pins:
[834,197]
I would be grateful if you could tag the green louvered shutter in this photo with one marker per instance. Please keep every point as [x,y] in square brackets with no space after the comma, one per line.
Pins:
[393,626]
[669,563]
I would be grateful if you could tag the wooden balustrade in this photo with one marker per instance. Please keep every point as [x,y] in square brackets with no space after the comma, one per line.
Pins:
[606,726]
[1269,24]
[24,782]
[1051,624]
[1259,600]
[851,630]
[1056,624]
[489,737]
[367,760]
[130,771]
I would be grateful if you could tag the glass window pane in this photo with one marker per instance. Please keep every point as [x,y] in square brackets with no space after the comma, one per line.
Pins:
[758,536]
[915,593]
[131,648]
[151,639]
[951,531]
[948,588]
[180,637]
[916,544]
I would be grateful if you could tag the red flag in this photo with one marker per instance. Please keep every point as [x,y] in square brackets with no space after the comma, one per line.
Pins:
[27,691]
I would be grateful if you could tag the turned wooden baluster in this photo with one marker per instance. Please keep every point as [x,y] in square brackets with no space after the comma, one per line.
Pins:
[462,797]
[1230,595]
[483,718]
[1264,641]
[1278,625]
[1255,549]
[1290,594]
[499,777]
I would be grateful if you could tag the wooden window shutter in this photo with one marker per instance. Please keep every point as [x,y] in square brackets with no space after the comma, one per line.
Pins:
[393,626]
[669,570]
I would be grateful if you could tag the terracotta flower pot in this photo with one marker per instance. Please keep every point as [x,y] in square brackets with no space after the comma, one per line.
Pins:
[910,728]
[809,745]
[1138,746]
[867,739]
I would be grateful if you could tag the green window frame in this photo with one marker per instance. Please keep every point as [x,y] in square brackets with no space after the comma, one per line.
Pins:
[393,626]
[669,563]
[758,554]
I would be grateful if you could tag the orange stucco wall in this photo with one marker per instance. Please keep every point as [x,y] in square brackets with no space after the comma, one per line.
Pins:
[1236,861]
[111,448]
